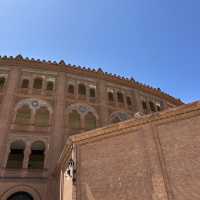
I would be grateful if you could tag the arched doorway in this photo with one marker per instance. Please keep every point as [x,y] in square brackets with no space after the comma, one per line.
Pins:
[20,196]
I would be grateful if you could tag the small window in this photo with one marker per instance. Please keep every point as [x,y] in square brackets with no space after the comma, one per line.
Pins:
[50,86]
[82,89]
[38,83]
[92,92]
[71,89]
[144,105]
[16,155]
[158,108]
[110,96]
[128,100]
[2,82]
[90,121]
[25,83]
[36,160]
[74,120]
[152,106]
[120,97]
[42,117]
[23,115]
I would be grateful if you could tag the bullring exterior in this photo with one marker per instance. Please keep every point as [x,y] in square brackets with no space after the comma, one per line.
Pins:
[43,104]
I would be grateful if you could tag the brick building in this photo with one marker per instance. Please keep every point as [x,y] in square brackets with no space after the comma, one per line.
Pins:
[43,104]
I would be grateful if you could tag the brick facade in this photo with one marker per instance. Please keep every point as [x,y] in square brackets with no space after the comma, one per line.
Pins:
[43,103]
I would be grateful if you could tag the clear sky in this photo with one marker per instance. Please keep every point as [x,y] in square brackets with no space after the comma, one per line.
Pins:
[157,42]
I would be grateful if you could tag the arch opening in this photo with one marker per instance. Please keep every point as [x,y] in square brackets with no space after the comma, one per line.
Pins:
[42,117]
[71,89]
[38,83]
[90,121]
[152,106]
[50,86]
[20,196]
[25,84]
[110,96]
[23,115]
[82,89]
[16,155]
[92,92]
[36,160]
[120,97]
[74,120]
[2,82]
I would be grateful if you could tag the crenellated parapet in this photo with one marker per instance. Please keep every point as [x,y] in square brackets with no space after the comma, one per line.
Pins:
[19,60]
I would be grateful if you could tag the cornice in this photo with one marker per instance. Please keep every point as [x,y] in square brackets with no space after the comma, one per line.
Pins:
[84,71]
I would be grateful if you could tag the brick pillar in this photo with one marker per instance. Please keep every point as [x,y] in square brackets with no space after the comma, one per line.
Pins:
[102,96]
[7,153]
[125,102]
[137,102]
[57,142]
[27,153]
[58,135]
[6,110]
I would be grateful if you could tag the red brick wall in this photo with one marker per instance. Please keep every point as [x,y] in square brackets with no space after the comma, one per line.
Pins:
[159,160]
[115,168]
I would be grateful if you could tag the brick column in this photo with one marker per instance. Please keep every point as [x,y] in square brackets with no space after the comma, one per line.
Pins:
[137,102]
[30,89]
[7,153]
[57,138]
[7,109]
[125,102]
[76,89]
[27,153]
[102,97]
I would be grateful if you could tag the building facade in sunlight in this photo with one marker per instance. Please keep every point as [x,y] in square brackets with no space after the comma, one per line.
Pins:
[42,104]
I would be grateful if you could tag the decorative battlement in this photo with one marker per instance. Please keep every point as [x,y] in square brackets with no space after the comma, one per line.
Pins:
[130,82]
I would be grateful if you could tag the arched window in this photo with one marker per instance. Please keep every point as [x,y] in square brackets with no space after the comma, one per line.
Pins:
[42,117]
[37,83]
[92,92]
[158,107]
[74,120]
[16,155]
[71,89]
[90,121]
[110,96]
[2,82]
[152,106]
[128,100]
[36,160]
[120,97]
[20,196]
[23,115]
[50,86]
[144,106]
[81,89]
[25,83]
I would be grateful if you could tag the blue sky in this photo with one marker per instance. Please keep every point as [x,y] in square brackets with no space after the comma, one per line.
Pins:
[156,42]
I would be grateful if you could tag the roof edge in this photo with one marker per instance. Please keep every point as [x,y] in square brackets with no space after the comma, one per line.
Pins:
[128,81]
